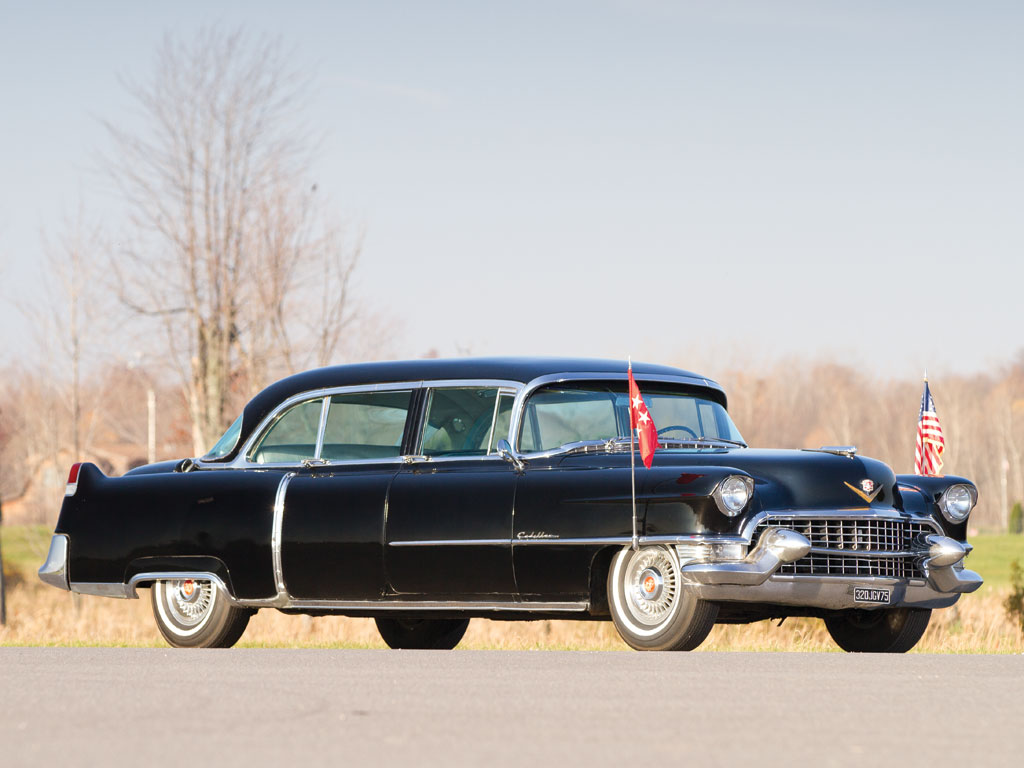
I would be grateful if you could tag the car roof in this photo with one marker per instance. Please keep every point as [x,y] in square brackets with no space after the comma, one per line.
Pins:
[519,369]
[514,369]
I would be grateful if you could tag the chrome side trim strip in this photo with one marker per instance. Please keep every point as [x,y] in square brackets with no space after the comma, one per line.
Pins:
[526,540]
[452,543]
[101,589]
[275,537]
[139,578]
[55,570]
[129,590]
[427,605]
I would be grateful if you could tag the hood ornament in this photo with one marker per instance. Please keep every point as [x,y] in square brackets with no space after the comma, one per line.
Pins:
[868,490]
[838,450]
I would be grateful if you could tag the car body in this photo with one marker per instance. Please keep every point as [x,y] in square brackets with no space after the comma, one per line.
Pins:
[429,492]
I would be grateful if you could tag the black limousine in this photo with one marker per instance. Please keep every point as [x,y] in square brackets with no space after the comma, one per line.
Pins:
[429,492]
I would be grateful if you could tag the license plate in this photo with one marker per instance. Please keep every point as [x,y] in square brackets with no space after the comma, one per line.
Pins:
[872,595]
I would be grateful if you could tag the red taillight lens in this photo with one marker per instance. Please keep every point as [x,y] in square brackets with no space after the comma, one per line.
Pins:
[72,486]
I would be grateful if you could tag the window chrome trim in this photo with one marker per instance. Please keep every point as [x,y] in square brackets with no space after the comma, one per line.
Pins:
[322,427]
[241,460]
[503,387]
[559,378]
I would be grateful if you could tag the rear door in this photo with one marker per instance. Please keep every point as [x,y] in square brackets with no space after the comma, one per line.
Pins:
[332,531]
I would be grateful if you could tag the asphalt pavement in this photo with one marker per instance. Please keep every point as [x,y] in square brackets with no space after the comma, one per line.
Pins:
[239,707]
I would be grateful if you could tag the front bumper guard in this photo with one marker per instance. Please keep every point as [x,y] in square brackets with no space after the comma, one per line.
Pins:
[776,546]
[754,579]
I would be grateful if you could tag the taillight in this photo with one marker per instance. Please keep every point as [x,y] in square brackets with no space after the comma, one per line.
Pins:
[72,486]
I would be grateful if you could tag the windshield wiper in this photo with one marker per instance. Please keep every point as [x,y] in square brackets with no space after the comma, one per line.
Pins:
[699,441]
[621,443]
[587,445]
[740,443]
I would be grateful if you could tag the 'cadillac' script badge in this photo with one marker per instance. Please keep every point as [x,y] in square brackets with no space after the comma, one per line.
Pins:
[872,595]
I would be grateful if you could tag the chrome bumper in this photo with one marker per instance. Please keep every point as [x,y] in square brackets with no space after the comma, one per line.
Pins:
[55,570]
[754,579]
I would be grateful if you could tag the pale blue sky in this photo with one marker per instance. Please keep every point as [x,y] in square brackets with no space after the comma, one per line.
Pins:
[766,178]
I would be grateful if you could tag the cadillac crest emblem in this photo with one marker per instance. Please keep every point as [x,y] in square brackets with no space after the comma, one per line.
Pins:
[868,490]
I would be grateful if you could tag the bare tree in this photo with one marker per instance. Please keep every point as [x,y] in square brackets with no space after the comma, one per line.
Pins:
[233,254]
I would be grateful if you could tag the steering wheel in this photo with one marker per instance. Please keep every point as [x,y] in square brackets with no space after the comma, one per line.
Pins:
[680,427]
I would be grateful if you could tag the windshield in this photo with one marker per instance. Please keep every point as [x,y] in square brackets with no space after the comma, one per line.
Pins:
[226,444]
[565,413]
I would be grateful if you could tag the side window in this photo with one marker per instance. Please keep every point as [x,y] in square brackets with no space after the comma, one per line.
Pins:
[555,417]
[459,421]
[365,425]
[292,437]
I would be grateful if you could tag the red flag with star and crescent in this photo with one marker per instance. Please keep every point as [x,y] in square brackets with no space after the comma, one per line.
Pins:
[640,420]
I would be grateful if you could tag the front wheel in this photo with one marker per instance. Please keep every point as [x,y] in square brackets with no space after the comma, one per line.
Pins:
[196,614]
[423,634]
[651,607]
[892,630]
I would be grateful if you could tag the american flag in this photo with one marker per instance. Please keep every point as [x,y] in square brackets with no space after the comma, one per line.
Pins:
[930,442]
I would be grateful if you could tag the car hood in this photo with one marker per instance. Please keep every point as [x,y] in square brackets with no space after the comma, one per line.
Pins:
[797,480]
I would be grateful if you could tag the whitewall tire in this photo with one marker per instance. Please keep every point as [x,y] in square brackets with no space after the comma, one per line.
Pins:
[191,613]
[652,608]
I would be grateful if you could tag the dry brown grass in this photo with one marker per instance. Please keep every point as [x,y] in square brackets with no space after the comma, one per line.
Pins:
[41,615]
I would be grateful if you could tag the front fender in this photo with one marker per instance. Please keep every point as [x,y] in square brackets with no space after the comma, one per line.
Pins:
[921,495]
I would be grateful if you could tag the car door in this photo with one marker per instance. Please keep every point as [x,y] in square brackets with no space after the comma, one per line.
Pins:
[332,524]
[567,510]
[449,519]
[568,507]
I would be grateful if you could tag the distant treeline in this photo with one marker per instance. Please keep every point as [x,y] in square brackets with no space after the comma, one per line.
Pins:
[807,404]
[801,404]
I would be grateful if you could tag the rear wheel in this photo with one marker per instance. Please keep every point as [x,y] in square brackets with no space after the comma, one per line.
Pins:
[196,614]
[893,630]
[424,634]
[651,607]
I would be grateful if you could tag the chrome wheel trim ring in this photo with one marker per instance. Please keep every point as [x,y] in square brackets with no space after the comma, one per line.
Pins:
[651,607]
[185,606]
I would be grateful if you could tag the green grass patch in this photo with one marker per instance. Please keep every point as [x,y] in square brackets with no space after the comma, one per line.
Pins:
[24,547]
[992,556]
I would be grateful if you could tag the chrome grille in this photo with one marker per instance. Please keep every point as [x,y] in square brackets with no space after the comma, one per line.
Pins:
[848,540]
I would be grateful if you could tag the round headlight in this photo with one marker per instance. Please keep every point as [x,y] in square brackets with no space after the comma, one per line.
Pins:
[957,502]
[733,493]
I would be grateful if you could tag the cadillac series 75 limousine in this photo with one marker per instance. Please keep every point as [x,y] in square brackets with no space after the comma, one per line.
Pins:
[426,493]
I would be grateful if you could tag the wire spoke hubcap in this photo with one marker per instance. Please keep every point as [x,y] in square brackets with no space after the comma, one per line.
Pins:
[652,585]
[188,601]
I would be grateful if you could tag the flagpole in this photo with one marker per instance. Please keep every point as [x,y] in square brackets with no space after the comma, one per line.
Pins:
[632,462]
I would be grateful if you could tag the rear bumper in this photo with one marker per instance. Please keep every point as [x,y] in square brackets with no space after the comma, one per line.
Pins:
[55,570]
[754,579]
